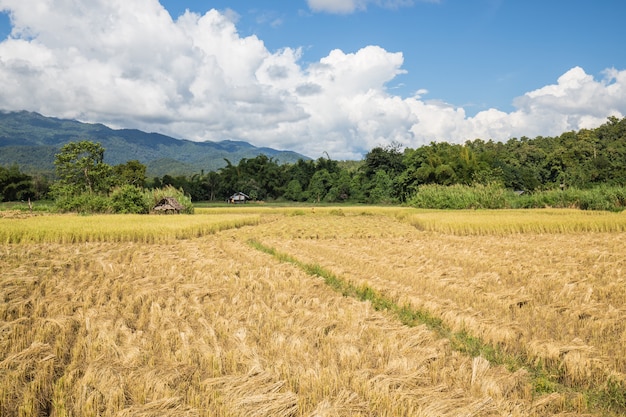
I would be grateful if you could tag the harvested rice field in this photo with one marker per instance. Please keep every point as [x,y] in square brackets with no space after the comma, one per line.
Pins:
[358,311]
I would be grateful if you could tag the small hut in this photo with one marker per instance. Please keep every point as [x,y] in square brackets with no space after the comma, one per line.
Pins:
[168,205]
[238,198]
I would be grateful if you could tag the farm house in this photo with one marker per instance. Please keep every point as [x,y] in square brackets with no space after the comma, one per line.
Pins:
[238,198]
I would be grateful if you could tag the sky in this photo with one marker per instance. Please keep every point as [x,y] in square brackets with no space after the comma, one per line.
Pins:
[319,77]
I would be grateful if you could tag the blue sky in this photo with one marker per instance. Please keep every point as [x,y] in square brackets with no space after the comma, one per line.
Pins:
[472,53]
[315,76]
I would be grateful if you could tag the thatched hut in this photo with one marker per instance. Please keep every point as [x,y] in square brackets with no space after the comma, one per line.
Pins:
[168,205]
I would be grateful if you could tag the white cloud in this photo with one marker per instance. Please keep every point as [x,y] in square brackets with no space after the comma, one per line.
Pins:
[336,6]
[128,64]
[351,6]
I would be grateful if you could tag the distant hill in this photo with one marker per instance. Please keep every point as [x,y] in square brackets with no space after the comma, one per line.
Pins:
[32,140]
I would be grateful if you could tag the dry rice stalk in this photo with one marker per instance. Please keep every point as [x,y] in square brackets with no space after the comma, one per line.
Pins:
[35,353]
[480,366]
[272,404]
[165,407]
[255,394]
[549,403]
[346,403]
[454,407]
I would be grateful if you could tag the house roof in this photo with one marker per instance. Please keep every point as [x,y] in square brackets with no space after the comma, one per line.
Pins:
[169,203]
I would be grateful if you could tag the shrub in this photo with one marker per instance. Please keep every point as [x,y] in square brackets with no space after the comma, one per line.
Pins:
[83,203]
[129,199]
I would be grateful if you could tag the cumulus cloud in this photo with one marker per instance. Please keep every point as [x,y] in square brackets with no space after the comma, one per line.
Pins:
[129,64]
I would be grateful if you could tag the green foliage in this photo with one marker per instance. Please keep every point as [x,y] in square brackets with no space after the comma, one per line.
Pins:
[544,385]
[87,185]
[293,191]
[83,203]
[80,168]
[320,184]
[388,159]
[491,196]
[131,173]
[613,394]
[603,197]
[584,169]
[15,185]
[130,199]
[494,196]
[382,188]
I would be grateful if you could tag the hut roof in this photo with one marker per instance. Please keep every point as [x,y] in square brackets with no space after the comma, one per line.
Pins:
[168,204]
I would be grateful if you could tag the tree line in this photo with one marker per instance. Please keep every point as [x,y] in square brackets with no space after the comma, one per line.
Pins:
[388,174]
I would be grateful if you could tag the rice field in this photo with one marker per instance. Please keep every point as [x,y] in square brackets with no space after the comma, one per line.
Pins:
[183,316]
[116,228]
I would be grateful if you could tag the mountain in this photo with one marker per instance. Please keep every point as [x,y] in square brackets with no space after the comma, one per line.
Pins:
[32,140]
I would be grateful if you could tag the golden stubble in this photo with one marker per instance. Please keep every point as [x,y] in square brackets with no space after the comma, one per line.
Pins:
[557,297]
[208,326]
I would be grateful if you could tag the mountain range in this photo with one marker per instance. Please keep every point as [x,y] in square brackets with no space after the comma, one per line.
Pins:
[32,140]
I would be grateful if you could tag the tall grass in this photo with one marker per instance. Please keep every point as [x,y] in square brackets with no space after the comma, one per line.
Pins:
[609,198]
[493,196]
[461,197]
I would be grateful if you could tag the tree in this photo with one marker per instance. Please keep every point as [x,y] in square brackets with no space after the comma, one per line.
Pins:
[130,173]
[205,186]
[231,178]
[388,159]
[262,177]
[382,187]
[14,185]
[319,185]
[293,191]
[80,167]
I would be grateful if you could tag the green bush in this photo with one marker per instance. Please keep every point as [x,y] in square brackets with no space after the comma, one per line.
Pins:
[83,203]
[129,199]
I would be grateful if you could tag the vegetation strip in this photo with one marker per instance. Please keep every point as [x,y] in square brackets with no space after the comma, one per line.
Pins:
[611,398]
